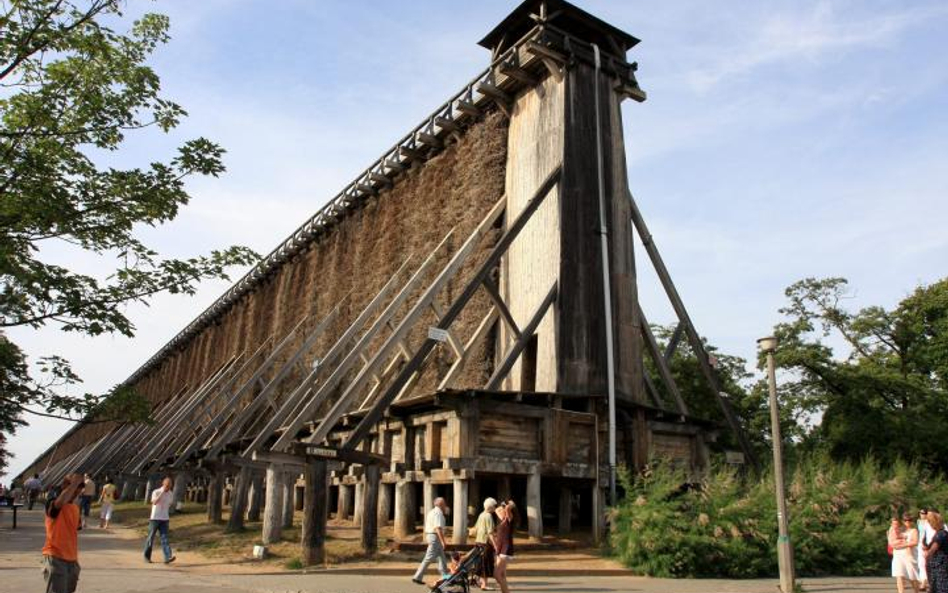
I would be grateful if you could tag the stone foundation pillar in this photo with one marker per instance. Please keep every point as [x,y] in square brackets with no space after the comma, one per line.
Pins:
[404,510]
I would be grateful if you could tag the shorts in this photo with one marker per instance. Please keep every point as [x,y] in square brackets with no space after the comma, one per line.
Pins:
[106,511]
[61,576]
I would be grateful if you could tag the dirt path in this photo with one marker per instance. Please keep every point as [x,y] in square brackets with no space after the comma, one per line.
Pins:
[112,563]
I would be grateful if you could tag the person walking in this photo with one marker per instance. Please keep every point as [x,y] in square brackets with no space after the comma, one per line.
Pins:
[503,543]
[85,500]
[435,523]
[106,502]
[484,530]
[161,501]
[33,488]
[903,540]
[61,548]
[936,555]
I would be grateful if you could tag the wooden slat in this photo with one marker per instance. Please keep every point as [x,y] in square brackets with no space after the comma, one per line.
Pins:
[374,414]
[521,342]
[663,371]
[408,322]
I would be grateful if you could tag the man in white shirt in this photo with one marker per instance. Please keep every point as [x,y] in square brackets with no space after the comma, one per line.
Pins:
[85,499]
[33,488]
[435,523]
[161,501]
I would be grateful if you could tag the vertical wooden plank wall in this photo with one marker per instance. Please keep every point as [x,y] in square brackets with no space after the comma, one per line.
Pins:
[534,150]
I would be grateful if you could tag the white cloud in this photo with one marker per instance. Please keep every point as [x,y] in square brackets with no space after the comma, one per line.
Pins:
[810,35]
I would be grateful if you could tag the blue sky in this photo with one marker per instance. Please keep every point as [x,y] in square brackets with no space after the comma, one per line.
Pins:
[780,140]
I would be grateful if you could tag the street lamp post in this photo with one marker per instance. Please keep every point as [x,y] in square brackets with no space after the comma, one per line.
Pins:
[784,548]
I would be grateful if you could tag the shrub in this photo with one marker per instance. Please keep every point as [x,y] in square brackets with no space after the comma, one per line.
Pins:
[726,526]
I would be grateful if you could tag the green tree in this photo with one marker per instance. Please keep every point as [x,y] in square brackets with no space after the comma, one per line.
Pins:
[883,389]
[73,88]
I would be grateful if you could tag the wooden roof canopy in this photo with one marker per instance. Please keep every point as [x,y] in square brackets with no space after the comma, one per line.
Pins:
[561,15]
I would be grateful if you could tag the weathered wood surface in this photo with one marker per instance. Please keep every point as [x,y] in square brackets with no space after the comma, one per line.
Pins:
[273,507]
[315,503]
[534,149]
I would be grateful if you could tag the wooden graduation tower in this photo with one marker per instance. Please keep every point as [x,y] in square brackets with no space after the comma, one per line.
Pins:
[461,320]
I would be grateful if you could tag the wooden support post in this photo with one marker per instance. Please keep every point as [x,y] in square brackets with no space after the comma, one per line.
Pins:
[215,496]
[128,489]
[255,498]
[370,509]
[180,489]
[289,493]
[503,488]
[315,503]
[386,493]
[273,508]
[344,503]
[565,523]
[298,493]
[598,514]
[473,500]
[404,510]
[427,496]
[238,501]
[150,485]
[459,526]
[534,507]
[358,506]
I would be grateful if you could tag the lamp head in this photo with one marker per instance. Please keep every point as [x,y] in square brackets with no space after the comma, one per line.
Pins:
[767,345]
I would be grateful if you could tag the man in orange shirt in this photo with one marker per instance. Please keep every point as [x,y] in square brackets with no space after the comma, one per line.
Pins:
[61,551]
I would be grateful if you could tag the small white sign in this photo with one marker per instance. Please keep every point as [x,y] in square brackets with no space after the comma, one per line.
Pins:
[321,452]
[437,334]
[734,457]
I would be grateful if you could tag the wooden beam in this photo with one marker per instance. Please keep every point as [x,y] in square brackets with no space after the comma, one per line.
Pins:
[490,90]
[407,323]
[369,510]
[521,342]
[430,139]
[479,334]
[329,386]
[250,411]
[446,124]
[517,73]
[513,231]
[413,153]
[663,371]
[501,306]
[315,509]
[693,338]
[468,108]
[673,342]
[297,406]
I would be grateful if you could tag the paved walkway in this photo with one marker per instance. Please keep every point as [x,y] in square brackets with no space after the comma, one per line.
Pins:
[111,563]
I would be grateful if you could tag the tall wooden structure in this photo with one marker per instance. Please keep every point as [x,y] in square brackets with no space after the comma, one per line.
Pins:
[461,320]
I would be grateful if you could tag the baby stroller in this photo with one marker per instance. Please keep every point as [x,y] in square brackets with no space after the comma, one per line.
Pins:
[463,575]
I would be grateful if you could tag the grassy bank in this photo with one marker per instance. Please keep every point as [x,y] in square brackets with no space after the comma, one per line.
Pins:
[726,526]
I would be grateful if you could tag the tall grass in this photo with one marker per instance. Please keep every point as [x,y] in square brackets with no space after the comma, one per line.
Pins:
[726,526]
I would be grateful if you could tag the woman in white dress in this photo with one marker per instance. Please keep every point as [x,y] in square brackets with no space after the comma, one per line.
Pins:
[903,537]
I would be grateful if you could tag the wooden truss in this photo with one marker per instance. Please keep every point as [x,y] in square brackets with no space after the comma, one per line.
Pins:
[253,409]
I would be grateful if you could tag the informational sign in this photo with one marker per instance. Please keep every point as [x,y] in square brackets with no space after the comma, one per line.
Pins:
[323,452]
[734,457]
[437,334]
